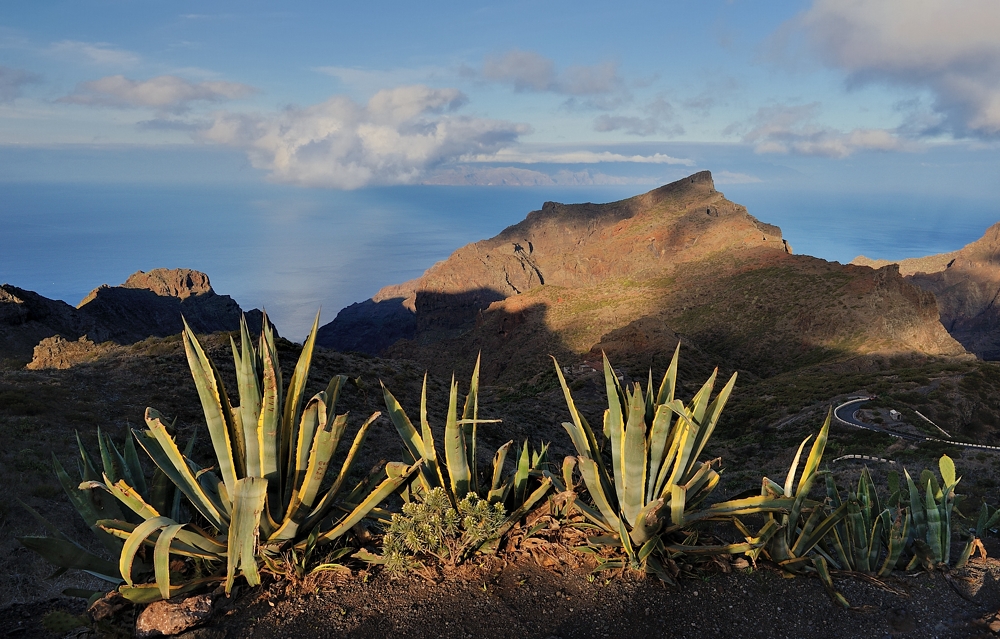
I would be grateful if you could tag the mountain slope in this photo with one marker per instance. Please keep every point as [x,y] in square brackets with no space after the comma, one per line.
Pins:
[966,284]
[630,278]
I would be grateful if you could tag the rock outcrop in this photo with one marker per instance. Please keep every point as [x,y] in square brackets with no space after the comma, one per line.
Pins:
[146,305]
[630,277]
[966,284]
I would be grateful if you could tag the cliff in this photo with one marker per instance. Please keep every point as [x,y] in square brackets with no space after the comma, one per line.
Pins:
[630,277]
[966,284]
[145,305]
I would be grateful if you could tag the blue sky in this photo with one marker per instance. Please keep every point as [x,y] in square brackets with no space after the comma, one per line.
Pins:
[351,95]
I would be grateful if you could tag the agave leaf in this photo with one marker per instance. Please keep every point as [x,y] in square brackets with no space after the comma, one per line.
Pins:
[614,430]
[227,440]
[790,478]
[583,436]
[589,470]
[291,415]
[323,508]
[521,473]
[148,593]
[194,543]
[377,496]
[470,420]
[161,448]
[132,463]
[417,447]
[269,424]
[161,558]
[248,504]
[659,440]
[648,522]
[455,454]
[918,513]
[247,415]
[947,467]
[126,495]
[708,422]
[136,539]
[934,525]
[635,453]
[91,507]
[309,421]
[569,464]
[496,485]
[88,470]
[69,555]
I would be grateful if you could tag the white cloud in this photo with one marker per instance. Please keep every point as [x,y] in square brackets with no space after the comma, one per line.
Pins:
[11,82]
[512,176]
[576,157]
[949,47]
[655,119]
[793,129]
[530,71]
[100,53]
[165,92]
[729,177]
[395,138]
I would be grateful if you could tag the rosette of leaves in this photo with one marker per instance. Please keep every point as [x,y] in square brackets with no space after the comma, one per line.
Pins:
[930,513]
[791,538]
[457,474]
[987,520]
[93,507]
[430,526]
[273,455]
[869,539]
[647,497]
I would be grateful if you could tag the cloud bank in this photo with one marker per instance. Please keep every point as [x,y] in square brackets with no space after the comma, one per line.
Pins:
[948,47]
[793,129]
[165,92]
[395,138]
[530,71]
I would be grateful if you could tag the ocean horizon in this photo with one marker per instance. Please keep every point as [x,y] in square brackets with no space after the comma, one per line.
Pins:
[292,250]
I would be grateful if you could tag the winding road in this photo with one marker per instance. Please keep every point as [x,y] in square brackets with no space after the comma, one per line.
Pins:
[845,414]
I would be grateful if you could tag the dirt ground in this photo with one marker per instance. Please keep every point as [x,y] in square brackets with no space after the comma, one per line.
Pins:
[521,599]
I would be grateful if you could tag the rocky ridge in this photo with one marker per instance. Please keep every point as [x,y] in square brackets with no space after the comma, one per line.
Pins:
[631,278]
[146,305]
[966,285]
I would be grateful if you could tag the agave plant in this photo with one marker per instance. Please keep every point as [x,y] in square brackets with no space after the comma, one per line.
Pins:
[792,536]
[988,518]
[656,482]
[931,515]
[272,456]
[518,491]
[868,532]
[93,507]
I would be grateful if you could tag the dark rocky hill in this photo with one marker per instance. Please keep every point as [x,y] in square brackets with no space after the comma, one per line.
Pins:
[146,305]
[630,278]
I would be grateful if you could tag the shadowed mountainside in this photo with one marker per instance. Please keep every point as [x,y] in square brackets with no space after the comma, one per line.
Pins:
[146,305]
[630,278]
[966,284]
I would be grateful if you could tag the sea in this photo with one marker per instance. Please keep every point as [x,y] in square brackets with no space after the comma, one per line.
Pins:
[295,251]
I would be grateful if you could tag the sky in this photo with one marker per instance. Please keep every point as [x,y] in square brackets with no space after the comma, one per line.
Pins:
[355,95]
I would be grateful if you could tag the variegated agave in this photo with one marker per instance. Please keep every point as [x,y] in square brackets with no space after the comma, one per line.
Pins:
[656,482]
[272,456]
